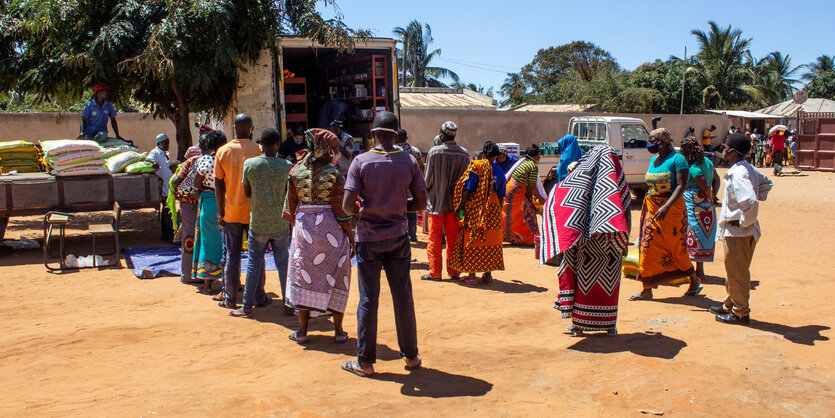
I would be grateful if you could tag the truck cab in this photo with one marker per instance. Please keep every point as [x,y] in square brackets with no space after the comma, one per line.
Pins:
[628,136]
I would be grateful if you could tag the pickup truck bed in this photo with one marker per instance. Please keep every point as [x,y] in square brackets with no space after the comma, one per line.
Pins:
[38,193]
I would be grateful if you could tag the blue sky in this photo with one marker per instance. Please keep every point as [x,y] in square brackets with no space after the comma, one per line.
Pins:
[502,36]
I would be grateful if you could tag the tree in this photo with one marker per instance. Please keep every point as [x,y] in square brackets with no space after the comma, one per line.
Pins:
[720,65]
[822,86]
[579,59]
[478,88]
[514,90]
[419,72]
[665,77]
[823,64]
[172,56]
[771,77]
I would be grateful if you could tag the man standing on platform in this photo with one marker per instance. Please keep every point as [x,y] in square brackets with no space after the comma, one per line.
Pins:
[445,164]
[233,204]
[346,145]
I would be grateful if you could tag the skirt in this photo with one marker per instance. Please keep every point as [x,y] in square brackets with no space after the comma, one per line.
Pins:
[319,271]
[701,226]
[208,245]
[519,215]
[662,244]
[589,279]
[471,255]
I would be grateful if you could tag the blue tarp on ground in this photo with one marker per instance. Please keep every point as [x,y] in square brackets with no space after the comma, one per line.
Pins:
[165,261]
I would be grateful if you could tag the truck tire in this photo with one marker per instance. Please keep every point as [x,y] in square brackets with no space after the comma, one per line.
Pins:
[3,223]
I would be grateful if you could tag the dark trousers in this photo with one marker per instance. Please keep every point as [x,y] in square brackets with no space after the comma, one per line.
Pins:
[412,218]
[233,242]
[394,256]
[166,225]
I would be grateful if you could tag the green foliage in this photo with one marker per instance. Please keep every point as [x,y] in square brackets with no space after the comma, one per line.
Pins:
[665,77]
[822,86]
[171,56]
[514,89]
[419,71]
[579,59]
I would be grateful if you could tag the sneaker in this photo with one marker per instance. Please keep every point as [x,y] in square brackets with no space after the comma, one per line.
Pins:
[732,318]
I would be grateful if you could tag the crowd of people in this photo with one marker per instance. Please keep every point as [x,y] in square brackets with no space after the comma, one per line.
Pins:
[317,213]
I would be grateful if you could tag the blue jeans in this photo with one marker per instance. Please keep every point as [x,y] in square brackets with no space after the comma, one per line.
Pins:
[255,273]
[394,255]
[233,242]
[412,218]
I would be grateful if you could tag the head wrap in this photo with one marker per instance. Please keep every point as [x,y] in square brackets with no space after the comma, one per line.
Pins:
[502,149]
[204,129]
[449,129]
[99,87]
[690,149]
[193,151]
[662,135]
[162,138]
[320,142]
[570,152]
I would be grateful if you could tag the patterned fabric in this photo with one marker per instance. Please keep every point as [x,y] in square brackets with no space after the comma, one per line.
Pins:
[187,172]
[320,142]
[662,135]
[206,168]
[691,150]
[701,225]
[319,269]
[519,214]
[662,243]
[449,128]
[527,172]
[584,231]
[323,185]
[208,248]
[478,247]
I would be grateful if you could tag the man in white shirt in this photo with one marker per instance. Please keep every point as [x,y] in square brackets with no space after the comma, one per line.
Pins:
[745,187]
[159,157]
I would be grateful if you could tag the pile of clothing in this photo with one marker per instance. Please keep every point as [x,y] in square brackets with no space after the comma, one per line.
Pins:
[19,156]
[74,157]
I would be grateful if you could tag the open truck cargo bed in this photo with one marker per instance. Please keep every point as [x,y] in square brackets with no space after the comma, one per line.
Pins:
[39,193]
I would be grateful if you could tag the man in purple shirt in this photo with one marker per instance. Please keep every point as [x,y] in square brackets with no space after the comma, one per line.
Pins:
[382,179]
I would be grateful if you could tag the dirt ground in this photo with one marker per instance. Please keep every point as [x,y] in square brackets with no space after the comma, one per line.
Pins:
[98,343]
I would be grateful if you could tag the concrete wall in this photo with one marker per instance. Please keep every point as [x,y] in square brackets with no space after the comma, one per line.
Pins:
[526,128]
[141,128]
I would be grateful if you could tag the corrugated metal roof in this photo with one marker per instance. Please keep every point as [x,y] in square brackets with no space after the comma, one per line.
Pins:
[433,98]
[744,114]
[551,107]
[789,107]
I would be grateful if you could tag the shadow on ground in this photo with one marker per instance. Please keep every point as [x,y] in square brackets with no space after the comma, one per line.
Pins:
[432,383]
[646,344]
[720,281]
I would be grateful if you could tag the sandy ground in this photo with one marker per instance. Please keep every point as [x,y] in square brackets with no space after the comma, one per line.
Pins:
[105,343]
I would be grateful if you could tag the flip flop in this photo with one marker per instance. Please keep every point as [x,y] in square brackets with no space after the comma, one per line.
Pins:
[297,339]
[353,366]
[241,313]
[693,293]
[341,338]
[429,277]
[638,296]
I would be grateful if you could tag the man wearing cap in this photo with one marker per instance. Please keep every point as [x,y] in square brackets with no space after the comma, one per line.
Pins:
[745,187]
[159,158]
[346,145]
[445,164]
[96,113]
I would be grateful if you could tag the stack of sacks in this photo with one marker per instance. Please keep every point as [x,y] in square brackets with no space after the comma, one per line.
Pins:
[20,156]
[74,157]
[119,162]
[118,149]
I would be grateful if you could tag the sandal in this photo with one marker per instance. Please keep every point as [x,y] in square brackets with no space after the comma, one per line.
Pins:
[411,365]
[228,305]
[693,293]
[241,313]
[298,339]
[638,296]
[218,297]
[341,338]
[429,277]
[470,281]
[353,366]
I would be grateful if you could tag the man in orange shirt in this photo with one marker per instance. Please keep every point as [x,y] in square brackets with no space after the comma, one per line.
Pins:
[232,204]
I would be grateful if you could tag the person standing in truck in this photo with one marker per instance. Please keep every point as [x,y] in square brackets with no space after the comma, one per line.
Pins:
[289,149]
[96,113]
[346,145]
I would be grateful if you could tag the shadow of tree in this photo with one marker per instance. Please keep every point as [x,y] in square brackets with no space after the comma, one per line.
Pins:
[432,383]
[646,344]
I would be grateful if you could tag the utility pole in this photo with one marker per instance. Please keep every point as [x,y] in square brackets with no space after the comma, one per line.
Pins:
[683,77]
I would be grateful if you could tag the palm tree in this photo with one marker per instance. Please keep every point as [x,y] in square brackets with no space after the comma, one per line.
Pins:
[514,89]
[771,76]
[720,63]
[823,64]
[416,40]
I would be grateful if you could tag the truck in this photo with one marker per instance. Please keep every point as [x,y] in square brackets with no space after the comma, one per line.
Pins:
[301,83]
[628,136]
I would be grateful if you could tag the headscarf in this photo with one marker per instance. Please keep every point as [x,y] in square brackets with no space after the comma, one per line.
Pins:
[193,151]
[569,152]
[663,135]
[691,150]
[204,129]
[320,142]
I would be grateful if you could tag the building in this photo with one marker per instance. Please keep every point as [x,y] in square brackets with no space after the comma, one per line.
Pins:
[552,107]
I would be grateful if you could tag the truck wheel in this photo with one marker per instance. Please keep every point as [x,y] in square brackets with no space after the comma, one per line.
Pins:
[3,223]
[639,193]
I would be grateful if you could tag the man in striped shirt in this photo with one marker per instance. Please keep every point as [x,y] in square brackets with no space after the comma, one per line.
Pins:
[445,164]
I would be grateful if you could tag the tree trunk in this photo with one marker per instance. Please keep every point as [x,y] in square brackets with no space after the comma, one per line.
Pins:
[180,118]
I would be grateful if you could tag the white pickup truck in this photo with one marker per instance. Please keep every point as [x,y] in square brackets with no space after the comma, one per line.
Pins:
[628,136]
